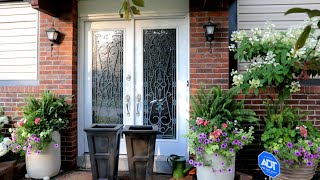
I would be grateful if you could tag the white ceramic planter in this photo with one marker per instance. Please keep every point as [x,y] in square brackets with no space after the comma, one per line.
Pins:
[207,173]
[47,164]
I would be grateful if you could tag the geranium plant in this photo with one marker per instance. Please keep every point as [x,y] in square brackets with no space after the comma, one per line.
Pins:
[40,118]
[216,126]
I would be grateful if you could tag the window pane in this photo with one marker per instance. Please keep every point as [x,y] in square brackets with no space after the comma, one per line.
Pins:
[107,81]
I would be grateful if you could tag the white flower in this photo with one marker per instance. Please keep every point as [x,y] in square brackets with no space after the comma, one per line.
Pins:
[7,141]
[233,72]
[3,149]
[255,83]
[237,80]
[295,86]
[232,47]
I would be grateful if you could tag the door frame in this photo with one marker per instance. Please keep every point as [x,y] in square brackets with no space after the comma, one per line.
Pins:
[83,160]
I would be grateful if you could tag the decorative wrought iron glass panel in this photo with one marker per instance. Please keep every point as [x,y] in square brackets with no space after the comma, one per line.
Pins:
[159,77]
[107,81]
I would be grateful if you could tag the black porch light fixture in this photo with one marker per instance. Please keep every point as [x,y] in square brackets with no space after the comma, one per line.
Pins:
[209,32]
[53,36]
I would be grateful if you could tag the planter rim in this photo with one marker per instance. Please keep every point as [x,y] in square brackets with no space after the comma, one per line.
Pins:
[103,128]
[140,129]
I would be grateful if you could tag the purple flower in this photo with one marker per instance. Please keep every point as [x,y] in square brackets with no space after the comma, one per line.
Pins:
[224,134]
[24,148]
[222,163]
[200,164]
[223,146]
[211,140]
[301,149]
[195,164]
[231,150]
[18,147]
[192,129]
[38,152]
[309,163]
[236,131]
[229,170]
[276,151]
[297,153]
[218,140]
[37,140]
[56,145]
[244,137]
[226,140]
[220,171]
[216,154]
[318,149]
[311,156]
[191,161]
[235,142]
[310,143]
[240,143]
[200,140]
[290,145]
[206,141]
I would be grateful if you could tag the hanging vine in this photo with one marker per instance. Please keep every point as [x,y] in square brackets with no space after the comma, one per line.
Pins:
[129,8]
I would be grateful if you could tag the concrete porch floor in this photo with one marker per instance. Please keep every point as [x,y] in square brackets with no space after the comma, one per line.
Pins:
[86,175]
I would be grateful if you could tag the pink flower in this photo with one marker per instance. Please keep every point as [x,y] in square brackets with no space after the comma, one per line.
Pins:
[21,123]
[200,121]
[206,123]
[37,121]
[224,125]
[303,131]
[216,134]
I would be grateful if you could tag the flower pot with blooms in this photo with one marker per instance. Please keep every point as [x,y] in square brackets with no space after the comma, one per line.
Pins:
[5,141]
[217,133]
[276,63]
[37,134]
[295,143]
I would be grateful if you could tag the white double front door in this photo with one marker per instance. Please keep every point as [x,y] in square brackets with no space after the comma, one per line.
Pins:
[136,73]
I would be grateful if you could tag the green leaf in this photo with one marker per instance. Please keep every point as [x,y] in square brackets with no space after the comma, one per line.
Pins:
[135,10]
[139,3]
[303,38]
[313,13]
[297,10]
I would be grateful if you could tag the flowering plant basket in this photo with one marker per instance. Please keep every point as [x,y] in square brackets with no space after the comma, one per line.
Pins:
[217,126]
[40,118]
[292,141]
[274,60]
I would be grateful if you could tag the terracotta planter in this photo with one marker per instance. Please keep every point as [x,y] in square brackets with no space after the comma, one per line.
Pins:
[104,142]
[301,173]
[140,142]
[212,172]
[47,164]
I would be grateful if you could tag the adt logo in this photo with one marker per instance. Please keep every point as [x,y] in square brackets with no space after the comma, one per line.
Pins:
[269,164]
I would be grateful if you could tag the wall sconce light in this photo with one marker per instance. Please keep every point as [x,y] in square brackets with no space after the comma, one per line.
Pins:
[53,36]
[209,32]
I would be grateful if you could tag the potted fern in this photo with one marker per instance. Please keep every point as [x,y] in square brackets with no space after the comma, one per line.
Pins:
[37,134]
[217,132]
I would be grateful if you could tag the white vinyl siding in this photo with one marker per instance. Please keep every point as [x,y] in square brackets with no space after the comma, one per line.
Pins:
[255,13]
[18,41]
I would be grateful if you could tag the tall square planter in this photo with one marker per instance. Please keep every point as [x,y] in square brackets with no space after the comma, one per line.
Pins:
[104,142]
[140,142]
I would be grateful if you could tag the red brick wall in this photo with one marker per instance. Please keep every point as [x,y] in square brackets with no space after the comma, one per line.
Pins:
[209,68]
[57,73]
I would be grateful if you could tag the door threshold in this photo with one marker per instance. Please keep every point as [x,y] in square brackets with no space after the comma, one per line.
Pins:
[160,165]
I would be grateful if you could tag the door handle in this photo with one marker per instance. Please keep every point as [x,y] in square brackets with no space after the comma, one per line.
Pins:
[127,99]
[138,102]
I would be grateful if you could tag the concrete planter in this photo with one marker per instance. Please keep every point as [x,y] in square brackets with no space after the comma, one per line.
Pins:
[104,142]
[140,141]
[213,173]
[47,164]
[303,172]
